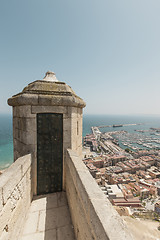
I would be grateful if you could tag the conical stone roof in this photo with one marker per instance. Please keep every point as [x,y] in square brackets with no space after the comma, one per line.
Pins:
[48,91]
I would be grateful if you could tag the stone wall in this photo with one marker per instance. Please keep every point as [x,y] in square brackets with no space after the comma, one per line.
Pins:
[92,214]
[25,132]
[15,197]
[76,130]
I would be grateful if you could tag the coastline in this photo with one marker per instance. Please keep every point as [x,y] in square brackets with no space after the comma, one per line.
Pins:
[89,120]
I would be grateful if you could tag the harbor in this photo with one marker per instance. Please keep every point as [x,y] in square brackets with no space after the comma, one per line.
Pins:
[136,140]
[119,125]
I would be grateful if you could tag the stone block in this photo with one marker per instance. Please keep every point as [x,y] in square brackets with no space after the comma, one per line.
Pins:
[68,113]
[14,110]
[66,144]
[28,178]
[21,123]
[1,200]
[16,155]
[15,197]
[63,216]
[19,214]
[61,199]
[51,234]
[48,220]
[27,198]
[84,228]
[45,101]
[75,129]
[5,215]
[24,111]
[26,149]
[80,188]
[31,124]
[113,224]
[80,125]
[16,134]
[16,223]
[72,194]
[70,189]
[70,170]
[54,200]
[31,223]
[73,111]
[15,122]
[66,136]
[49,109]
[4,235]
[39,236]
[67,124]
[66,233]
[18,145]
[83,196]
[28,137]
[95,223]
[38,204]
[26,163]
[90,185]
[74,144]
[11,181]
[22,186]
[12,176]
[42,221]
[80,111]
[75,206]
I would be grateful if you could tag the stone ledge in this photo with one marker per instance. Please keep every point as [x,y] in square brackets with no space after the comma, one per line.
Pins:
[15,197]
[48,109]
[46,100]
[98,209]
[47,93]
[13,175]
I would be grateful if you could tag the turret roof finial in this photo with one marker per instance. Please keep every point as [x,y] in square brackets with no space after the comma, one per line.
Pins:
[50,76]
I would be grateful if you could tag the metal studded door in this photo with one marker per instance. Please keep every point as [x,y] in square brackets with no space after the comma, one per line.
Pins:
[49,152]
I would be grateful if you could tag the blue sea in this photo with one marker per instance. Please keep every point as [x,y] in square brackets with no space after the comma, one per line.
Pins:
[6,140]
[146,122]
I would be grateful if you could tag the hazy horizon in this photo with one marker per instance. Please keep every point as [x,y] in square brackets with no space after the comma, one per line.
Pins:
[102,114]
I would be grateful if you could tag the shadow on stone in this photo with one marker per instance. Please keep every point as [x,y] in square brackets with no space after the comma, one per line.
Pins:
[58,225]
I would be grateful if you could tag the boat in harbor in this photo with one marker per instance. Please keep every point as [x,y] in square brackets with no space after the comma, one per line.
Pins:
[120,125]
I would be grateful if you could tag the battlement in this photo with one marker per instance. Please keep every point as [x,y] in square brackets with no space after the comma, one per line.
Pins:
[15,197]
[93,216]
[47,125]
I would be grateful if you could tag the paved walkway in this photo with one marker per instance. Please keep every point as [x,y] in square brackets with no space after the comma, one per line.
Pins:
[49,219]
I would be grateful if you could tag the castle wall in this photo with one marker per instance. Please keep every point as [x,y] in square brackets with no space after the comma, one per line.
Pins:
[25,133]
[15,197]
[92,214]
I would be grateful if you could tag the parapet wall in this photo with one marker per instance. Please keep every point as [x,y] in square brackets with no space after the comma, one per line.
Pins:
[15,197]
[92,214]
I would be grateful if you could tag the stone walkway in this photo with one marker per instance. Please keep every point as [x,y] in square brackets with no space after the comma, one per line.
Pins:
[49,219]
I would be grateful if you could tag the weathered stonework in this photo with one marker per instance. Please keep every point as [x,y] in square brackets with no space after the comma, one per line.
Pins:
[47,93]
[92,214]
[45,96]
[15,198]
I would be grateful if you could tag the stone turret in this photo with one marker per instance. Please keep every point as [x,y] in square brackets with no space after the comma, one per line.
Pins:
[47,118]
[47,92]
